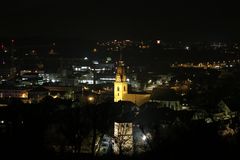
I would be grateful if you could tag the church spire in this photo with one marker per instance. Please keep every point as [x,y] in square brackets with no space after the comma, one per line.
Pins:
[120,57]
[120,76]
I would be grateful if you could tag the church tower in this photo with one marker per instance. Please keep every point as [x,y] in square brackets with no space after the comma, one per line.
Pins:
[120,84]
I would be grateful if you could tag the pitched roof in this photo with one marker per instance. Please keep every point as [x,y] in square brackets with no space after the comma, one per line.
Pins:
[164,94]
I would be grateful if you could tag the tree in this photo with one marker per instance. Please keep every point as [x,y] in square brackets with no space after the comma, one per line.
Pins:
[123,134]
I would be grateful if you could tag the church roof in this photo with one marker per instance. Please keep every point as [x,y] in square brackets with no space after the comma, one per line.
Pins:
[143,93]
[164,94]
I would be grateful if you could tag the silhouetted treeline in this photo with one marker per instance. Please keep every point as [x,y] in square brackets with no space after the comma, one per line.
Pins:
[55,128]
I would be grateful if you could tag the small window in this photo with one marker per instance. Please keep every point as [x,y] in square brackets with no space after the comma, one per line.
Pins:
[118,94]
[124,88]
[118,88]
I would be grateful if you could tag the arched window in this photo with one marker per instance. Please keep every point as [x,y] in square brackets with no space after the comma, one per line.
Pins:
[124,88]
[118,88]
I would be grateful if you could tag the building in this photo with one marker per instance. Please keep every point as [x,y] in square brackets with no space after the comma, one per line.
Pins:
[121,88]
[222,112]
[13,92]
[120,84]
[123,134]
[166,98]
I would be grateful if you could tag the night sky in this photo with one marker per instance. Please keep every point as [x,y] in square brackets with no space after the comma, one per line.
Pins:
[120,19]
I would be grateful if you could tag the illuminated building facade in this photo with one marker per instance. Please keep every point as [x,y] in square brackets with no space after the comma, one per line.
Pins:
[120,84]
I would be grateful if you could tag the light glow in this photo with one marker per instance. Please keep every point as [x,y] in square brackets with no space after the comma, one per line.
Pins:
[144,137]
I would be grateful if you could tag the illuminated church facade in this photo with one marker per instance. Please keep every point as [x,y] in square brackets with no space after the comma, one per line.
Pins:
[121,88]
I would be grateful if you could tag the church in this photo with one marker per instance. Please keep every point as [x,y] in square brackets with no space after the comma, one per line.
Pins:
[121,88]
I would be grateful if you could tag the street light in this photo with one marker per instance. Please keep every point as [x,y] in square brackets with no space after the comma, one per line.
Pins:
[144,137]
[91,99]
